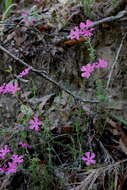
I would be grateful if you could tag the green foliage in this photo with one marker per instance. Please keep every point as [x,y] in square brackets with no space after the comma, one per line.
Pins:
[101,92]
[91,51]
[42,179]
[34,164]
[26,110]
[87,4]
[114,2]
[7,4]
[120,118]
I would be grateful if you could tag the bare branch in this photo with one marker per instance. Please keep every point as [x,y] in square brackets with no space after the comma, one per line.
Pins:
[110,18]
[43,74]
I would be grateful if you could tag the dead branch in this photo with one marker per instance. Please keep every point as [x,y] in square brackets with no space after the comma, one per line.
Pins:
[110,18]
[43,74]
[93,174]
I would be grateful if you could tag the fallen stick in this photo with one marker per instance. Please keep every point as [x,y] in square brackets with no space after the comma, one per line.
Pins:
[43,74]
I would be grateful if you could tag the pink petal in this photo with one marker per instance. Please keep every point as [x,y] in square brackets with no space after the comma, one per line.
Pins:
[83,68]
[85,75]
[92,156]
[89,23]
[82,25]
[87,154]
[93,161]
[88,163]
[84,158]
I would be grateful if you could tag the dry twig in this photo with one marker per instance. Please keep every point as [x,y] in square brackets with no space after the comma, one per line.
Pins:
[43,74]
[110,18]
[93,174]
[115,61]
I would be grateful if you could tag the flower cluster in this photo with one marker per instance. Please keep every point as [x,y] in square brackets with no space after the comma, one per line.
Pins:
[89,159]
[24,73]
[13,166]
[35,123]
[82,30]
[9,167]
[10,88]
[89,68]
[24,145]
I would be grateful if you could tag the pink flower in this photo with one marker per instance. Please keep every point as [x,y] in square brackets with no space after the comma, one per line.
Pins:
[87,32]
[24,73]
[75,33]
[2,89]
[83,68]
[11,88]
[17,159]
[82,25]
[35,122]
[87,70]
[85,75]
[12,168]
[3,169]
[89,159]
[88,24]
[101,64]
[24,145]
[4,151]
[82,30]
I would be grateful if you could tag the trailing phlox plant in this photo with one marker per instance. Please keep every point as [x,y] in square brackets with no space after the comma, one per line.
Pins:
[86,30]
[11,166]
[14,160]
